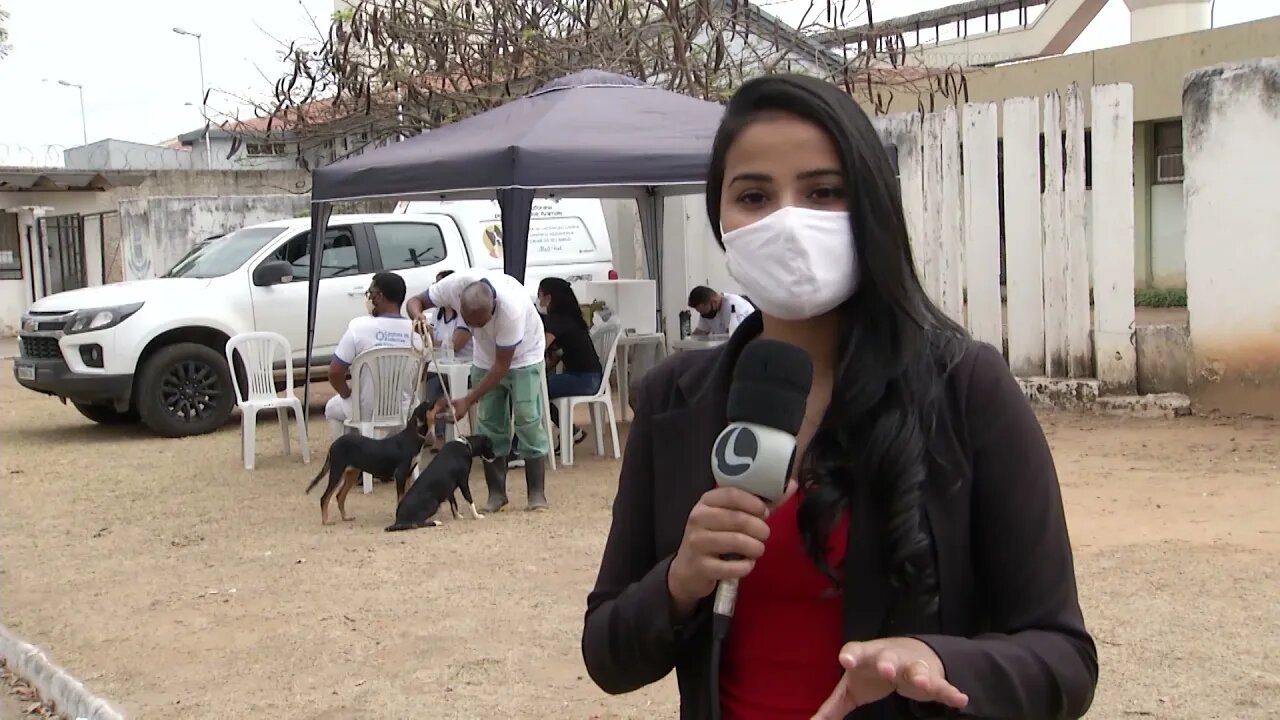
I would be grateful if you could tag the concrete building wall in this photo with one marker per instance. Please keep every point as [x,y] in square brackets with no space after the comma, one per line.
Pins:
[123,155]
[1168,261]
[104,244]
[1156,69]
[693,258]
[226,154]
[160,230]
[1231,119]
[1150,19]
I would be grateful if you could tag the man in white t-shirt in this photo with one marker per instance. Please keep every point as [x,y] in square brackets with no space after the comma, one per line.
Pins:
[508,344]
[384,326]
[718,313]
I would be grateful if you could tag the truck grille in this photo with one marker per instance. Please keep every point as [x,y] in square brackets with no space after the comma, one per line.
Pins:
[48,321]
[40,348]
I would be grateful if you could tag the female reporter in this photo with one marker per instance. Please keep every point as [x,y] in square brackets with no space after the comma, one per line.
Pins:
[921,566]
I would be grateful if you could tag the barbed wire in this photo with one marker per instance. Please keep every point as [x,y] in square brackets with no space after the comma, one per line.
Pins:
[117,155]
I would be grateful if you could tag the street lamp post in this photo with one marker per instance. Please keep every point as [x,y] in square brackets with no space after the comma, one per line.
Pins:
[204,92]
[84,126]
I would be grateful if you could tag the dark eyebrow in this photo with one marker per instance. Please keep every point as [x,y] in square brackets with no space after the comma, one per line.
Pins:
[811,174]
[751,177]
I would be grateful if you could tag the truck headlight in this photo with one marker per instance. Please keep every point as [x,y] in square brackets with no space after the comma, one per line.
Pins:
[100,318]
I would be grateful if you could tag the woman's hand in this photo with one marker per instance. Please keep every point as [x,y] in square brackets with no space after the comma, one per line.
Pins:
[725,522]
[874,669]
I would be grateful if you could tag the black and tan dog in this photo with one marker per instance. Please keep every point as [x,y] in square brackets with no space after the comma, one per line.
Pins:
[386,459]
[448,472]
[438,411]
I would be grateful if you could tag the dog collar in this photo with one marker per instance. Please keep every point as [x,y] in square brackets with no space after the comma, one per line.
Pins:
[465,442]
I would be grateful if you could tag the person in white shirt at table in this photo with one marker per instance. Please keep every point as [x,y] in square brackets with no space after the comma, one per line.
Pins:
[447,327]
[506,378]
[385,326]
[718,313]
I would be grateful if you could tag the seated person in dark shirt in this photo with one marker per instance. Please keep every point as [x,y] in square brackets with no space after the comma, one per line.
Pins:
[569,341]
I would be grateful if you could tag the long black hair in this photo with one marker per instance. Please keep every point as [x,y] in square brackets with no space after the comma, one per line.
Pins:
[443,309]
[562,300]
[894,350]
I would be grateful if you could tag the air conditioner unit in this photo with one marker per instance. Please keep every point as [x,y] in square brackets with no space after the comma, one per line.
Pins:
[1169,168]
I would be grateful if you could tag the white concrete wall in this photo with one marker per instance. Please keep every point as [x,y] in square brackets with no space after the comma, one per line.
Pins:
[16,295]
[1059,244]
[1231,139]
[692,258]
[123,155]
[1151,19]
[157,232]
[1168,227]
[60,203]
[13,301]
[1112,257]
[622,218]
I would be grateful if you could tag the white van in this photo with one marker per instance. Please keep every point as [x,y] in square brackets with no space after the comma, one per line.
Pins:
[568,237]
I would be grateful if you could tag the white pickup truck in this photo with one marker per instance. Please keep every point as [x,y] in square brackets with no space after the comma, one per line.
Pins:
[155,349]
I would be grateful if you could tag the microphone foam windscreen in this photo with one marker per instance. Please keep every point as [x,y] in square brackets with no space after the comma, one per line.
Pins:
[771,385]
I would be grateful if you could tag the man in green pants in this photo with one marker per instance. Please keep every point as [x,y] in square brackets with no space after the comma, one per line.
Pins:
[507,375]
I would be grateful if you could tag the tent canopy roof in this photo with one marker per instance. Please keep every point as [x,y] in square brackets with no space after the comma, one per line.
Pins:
[592,129]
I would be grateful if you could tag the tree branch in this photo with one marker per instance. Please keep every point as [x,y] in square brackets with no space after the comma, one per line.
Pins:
[394,68]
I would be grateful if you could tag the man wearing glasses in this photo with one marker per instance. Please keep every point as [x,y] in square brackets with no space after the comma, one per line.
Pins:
[383,327]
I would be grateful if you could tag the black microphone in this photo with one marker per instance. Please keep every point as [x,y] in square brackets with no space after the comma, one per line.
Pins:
[756,451]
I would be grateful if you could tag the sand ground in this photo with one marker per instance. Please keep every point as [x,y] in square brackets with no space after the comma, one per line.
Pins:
[177,584]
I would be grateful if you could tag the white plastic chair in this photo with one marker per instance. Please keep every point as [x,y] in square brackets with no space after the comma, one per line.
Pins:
[607,336]
[393,376]
[258,352]
[546,418]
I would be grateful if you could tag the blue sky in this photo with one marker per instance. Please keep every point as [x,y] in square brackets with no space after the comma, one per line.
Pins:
[137,73]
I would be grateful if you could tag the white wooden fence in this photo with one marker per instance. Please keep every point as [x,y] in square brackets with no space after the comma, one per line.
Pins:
[949,164]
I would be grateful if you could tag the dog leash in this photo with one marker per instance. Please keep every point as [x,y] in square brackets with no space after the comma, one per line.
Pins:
[429,351]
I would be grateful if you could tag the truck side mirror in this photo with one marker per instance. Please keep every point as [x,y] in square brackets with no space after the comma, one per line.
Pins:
[272,272]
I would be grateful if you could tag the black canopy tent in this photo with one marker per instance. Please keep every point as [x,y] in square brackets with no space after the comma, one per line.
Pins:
[591,134]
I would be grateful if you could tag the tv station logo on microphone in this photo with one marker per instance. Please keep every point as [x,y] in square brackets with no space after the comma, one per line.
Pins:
[736,451]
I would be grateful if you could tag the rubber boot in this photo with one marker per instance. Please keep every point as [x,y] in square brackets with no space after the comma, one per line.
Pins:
[495,477]
[535,475]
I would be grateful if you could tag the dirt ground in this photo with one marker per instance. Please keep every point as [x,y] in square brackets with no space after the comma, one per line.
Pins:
[177,584]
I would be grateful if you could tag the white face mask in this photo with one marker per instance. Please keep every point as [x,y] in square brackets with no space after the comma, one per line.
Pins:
[796,263]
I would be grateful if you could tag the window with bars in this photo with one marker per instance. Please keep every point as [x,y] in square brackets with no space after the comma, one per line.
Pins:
[10,247]
[265,149]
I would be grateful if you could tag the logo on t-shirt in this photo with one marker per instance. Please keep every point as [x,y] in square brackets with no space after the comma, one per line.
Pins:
[394,338]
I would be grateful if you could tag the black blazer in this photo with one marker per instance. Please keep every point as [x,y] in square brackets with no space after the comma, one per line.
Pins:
[1009,630]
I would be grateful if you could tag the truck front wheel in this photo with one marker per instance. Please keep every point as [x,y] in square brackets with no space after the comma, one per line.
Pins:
[185,389]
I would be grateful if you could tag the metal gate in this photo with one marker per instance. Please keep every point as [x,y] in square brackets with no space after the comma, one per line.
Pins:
[102,236]
[62,247]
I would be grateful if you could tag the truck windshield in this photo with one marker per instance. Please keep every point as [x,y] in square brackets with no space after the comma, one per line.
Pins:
[223,255]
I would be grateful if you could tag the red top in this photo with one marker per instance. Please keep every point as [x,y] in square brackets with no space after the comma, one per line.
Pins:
[780,656]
